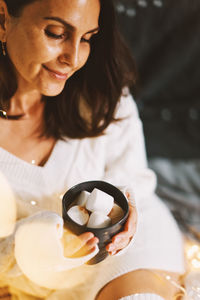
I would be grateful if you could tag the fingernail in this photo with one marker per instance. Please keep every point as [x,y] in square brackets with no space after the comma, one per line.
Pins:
[91,236]
[96,240]
[117,239]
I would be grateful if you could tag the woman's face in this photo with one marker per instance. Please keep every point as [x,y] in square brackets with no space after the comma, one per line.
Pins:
[50,41]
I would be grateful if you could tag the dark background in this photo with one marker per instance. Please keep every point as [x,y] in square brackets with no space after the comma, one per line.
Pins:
[164,37]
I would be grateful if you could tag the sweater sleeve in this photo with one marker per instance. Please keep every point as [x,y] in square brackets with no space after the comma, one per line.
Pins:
[126,163]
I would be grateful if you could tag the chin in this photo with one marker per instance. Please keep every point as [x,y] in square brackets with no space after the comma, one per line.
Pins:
[52,91]
[51,94]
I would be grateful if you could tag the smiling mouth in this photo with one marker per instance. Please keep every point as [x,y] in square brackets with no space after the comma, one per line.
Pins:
[56,74]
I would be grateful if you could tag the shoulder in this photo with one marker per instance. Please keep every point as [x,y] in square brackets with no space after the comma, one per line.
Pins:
[127,118]
[126,107]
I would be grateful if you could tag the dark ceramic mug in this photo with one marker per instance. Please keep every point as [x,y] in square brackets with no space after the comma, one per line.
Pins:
[104,234]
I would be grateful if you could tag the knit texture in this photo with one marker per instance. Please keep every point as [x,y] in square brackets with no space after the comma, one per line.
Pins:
[117,157]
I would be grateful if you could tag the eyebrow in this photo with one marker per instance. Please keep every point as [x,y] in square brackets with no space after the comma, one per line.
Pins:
[68,25]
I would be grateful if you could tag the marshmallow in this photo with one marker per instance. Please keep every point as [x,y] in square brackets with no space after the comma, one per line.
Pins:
[82,198]
[78,214]
[98,220]
[116,213]
[99,201]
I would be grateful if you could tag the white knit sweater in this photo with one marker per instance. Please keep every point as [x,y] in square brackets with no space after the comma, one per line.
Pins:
[117,157]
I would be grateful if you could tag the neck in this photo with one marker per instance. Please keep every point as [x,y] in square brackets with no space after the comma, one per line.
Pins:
[25,103]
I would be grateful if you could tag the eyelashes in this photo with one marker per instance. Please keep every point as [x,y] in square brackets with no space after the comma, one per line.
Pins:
[54,36]
[62,36]
[86,41]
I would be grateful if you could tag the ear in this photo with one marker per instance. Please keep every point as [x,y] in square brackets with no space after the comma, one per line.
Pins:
[4,18]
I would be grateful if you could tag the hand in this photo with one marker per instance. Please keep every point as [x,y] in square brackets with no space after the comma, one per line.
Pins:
[77,246]
[122,239]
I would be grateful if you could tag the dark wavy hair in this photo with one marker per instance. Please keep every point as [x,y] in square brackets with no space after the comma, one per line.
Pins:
[99,82]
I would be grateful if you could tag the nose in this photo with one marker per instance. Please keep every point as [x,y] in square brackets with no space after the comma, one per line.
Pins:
[70,53]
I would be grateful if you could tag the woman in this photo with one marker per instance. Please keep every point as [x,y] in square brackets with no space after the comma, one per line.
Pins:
[64,121]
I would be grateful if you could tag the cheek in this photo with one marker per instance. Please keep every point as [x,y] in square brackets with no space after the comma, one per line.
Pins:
[28,50]
[84,54]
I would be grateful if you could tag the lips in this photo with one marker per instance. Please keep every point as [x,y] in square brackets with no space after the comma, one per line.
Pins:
[56,74]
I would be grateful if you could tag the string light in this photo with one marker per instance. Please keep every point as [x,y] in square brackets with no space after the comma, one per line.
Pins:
[195,263]
[33,202]
[192,278]
[191,288]
[182,291]
[192,251]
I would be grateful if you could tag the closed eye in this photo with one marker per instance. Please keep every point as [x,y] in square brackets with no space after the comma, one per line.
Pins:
[63,35]
[85,40]
[89,40]
[54,36]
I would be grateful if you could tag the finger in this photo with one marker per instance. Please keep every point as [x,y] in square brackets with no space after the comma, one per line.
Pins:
[73,243]
[130,225]
[130,195]
[122,239]
[82,240]
[86,236]
[92,243]
[119,242]
[87,248]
